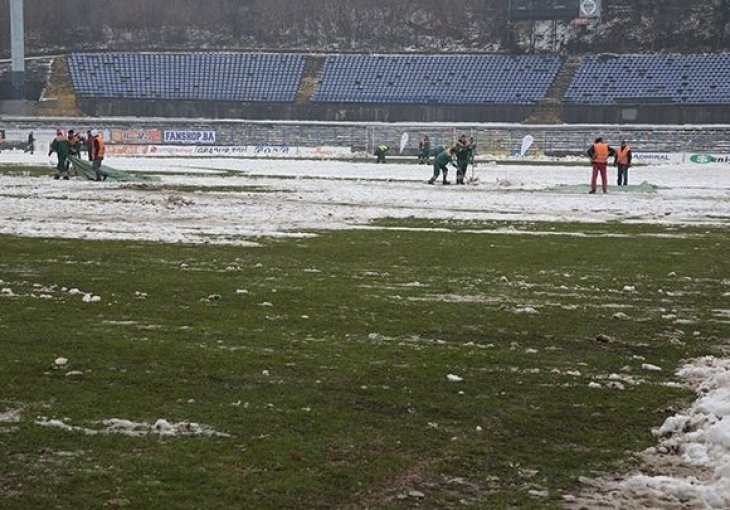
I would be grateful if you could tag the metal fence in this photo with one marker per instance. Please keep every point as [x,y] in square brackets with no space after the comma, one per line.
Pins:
[497,139]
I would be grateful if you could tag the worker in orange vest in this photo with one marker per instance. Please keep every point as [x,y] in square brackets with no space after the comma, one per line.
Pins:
[599,153]
[622,161]
[98,149]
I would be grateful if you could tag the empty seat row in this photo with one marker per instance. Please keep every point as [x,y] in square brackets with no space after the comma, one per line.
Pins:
[445,79]
[188,76]
[681,79]
[402,78]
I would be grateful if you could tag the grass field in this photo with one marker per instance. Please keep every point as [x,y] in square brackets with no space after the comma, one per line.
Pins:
[386,368]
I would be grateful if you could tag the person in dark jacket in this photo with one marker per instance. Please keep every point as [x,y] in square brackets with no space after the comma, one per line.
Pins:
[440,163]
[622,161]
[462,158]
[88,142]
[424,150]
[31,144]
[74,141]
[472,150]
[61,146]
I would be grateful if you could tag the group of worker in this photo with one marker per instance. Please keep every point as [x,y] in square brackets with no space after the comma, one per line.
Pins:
[461,155]
[72,144]
[600,152]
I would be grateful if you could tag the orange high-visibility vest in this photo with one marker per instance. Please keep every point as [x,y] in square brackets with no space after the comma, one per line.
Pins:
[99,146]
[600,152]
[622,156]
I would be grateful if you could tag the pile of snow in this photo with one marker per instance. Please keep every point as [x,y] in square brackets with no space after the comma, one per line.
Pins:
[161,427]
[693,454]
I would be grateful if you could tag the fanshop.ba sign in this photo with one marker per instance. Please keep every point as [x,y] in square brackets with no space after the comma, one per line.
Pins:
[191,137]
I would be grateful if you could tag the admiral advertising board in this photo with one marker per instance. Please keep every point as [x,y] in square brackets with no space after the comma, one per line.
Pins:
[657,158]
[678,158]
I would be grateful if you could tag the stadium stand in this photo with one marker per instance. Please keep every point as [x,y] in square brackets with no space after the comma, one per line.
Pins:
[263,77]
[535,89]
[635,79]
[37,74]
[442,79]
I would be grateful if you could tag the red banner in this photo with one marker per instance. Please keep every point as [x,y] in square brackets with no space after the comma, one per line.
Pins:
[143,136]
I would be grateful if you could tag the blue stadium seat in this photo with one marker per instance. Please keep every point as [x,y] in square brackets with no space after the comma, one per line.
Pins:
[188,76]
[444,79]
[690,79]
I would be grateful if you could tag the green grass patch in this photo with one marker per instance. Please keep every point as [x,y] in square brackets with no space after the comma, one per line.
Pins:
[26,170]
[324,361]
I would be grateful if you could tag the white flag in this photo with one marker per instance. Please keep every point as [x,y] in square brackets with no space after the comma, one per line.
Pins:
[526,144]
[403,142]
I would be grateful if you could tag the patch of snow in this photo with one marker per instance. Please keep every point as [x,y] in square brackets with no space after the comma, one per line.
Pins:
[161,427]
[11,416]
[337,195]
[650,367]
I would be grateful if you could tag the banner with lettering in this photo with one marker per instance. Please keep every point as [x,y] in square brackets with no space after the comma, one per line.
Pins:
[143,136]
[189,137]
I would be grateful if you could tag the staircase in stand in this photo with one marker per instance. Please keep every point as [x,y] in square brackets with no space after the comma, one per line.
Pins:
[550,109]
[310,78]
[59,98]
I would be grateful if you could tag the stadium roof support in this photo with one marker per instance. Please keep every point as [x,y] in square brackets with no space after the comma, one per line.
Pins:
[17,48]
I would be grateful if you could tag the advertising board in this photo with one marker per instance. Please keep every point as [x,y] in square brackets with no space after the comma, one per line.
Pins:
[189,137]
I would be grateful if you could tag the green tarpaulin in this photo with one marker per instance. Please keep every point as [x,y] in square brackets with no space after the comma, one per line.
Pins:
[84,169]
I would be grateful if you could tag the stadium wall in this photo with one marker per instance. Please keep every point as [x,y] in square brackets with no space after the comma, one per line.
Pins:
[206,136]
[328,112]
[663,113]
[634,113]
